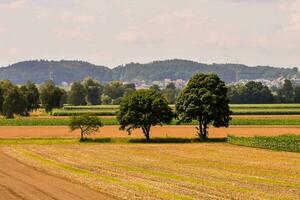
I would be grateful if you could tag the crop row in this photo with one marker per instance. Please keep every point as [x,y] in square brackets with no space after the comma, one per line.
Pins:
[113,121]
[279,143]
[112,112]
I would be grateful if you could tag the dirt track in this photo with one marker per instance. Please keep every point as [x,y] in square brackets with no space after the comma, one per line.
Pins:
[19,181]
[169,131]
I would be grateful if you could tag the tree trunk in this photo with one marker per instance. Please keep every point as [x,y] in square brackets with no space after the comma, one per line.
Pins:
[146,131]
[202,130]
[81,135]
[204,134]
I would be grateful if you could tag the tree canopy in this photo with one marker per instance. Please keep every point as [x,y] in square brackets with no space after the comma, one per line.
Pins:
[204,99]
[87,124]
[143,109]
[51,96]
[77,94]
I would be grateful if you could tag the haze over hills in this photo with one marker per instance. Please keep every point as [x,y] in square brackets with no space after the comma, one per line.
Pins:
[68,71]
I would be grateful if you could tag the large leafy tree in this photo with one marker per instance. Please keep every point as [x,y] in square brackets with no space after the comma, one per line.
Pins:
[13,103]
[94,90]
[51,96]
[256,92]
[143,109]
[12,100]
[204,99]
[31,94]
[76,96]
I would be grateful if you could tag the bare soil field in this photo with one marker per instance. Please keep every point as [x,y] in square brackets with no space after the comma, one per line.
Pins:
[20,181]
[166,171]
[165,131]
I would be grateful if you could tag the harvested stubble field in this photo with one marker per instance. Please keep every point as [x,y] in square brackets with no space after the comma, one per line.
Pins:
[169,171]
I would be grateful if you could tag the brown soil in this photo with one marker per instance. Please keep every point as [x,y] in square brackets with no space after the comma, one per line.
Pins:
[165,131]
[19,181]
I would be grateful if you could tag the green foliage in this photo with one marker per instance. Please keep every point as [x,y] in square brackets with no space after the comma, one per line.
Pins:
[87,124]
[51,96]
[170,93]
[143,109]
[32,96]
[113,121]
[77,94]
[204,99]
[115,91]
[286,93]
[278,143]
[62,112]
[94,91]
[250,93]
[155,88]
[297,94]
[14,102]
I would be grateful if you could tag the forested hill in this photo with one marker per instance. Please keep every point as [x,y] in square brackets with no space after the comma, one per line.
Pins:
[69,71]
[60,71]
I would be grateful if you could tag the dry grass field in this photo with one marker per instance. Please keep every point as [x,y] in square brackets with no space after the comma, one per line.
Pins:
[169,171]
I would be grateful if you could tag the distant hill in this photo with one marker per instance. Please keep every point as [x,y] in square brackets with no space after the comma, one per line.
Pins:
[60,71]
[68,71]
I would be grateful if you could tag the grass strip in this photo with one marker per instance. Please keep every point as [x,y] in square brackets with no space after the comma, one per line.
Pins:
[113,121]
[289,143]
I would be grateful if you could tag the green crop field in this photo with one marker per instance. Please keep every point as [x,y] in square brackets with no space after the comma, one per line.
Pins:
[238,109]
[113,121]
[278,143]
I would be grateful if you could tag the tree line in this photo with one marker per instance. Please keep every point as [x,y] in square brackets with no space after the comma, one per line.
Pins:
[255,93]
[91,92]
[23,99]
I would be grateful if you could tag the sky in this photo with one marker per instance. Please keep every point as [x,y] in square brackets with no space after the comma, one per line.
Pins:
[115,32]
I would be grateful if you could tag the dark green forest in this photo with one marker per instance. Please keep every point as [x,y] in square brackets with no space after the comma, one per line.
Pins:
[69,71]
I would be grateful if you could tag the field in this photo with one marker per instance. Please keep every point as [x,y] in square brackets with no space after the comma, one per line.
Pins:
[168,171]
[175,165]
[239,120]
[238,109]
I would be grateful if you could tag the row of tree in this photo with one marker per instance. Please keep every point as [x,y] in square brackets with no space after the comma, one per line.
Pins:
[21,100]
[91,92]
[255,93]
[204,99]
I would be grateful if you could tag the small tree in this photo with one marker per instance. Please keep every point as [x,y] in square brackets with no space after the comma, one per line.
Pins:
[143,109]
[204,99]
[87,124]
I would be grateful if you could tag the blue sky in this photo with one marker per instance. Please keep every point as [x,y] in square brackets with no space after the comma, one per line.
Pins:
[113,32]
